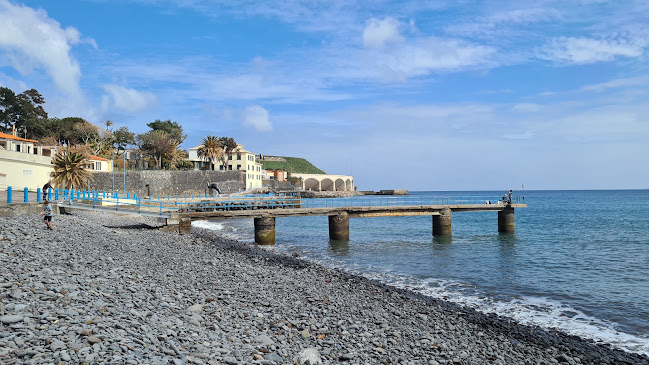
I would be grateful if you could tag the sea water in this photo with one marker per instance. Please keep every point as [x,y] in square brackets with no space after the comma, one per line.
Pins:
[578,262]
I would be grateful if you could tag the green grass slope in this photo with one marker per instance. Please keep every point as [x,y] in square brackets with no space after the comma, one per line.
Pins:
[292,164]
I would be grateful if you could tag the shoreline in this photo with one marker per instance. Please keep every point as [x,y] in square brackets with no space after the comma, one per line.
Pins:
[149,296]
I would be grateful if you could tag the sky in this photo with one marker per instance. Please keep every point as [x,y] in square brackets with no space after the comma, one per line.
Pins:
[423,95]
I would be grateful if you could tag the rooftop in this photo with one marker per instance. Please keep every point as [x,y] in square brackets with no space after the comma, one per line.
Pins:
[9,136]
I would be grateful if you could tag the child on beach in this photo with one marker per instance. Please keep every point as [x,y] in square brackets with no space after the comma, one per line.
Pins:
[47,214]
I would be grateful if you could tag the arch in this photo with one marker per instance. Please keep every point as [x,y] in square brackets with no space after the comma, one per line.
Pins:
[340,184]
[349,185]
[327,184]
[311,184]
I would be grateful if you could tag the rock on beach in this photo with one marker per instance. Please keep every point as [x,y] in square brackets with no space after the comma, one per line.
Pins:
[105,288]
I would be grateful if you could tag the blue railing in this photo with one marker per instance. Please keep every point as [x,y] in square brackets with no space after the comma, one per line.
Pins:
[184,202]
[376,201]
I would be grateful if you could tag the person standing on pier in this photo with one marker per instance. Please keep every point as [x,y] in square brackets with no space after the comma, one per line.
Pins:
[46,187]
[509,196]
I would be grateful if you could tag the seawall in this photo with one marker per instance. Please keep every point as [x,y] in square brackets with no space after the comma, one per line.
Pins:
[164,182]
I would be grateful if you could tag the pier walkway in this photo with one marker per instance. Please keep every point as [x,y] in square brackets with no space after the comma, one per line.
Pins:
[180,211]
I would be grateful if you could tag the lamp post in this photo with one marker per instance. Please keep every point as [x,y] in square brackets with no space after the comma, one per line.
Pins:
[112,155]
[124,160]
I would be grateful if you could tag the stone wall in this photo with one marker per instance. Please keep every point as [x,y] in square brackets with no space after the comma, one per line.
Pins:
[164,182]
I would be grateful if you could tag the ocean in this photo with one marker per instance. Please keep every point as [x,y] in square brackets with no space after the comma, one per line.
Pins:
[578,262]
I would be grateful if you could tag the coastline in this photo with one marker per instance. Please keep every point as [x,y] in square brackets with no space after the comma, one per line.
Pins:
[115,289]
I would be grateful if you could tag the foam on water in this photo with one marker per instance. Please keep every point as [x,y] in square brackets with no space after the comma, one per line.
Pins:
[538,311]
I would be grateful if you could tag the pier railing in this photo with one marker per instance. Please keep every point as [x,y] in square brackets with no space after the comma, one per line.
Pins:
[363,201]
[164,205]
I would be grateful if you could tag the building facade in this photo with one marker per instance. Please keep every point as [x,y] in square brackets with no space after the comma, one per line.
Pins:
[325,182]
[239,159]
[23,163]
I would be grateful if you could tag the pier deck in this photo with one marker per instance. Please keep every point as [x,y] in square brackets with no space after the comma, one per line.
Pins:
[352,212]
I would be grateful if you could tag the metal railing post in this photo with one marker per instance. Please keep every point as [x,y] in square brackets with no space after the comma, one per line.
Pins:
[38,195]
[49,194]
[9,195]
[26,196]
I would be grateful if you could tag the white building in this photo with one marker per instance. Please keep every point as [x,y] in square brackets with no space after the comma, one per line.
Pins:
[239,159]
[23,164]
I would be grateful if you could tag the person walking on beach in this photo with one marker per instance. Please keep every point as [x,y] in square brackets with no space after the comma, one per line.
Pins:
[47,214]
[46,187]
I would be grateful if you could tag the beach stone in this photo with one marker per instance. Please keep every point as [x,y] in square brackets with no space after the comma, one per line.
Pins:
[196,308]
[310,356]
[274,357]
[93,339]
[10,319]
[230,360]
[263,340]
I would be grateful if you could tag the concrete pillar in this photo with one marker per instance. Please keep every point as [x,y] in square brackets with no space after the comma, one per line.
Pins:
[185,225]
[442,223]
[265,231]
[339,227]
[506,220]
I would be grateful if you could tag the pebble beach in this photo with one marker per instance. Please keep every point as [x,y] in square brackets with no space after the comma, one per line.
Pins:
[110,289]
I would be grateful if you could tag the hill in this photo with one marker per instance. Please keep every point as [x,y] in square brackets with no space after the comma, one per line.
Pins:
[292,164]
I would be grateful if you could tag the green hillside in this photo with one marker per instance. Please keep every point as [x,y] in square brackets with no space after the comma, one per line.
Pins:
[292,164]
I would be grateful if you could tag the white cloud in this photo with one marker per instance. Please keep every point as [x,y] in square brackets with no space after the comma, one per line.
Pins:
[426,55]
[256,117]
[617,83]
[33,40]
[526,107]
[581,50]
[379,32]
[125,99]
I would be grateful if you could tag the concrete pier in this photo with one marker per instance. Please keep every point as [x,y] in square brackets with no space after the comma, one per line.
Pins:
[506,220]
[265,231]
[442,223]
[339,227]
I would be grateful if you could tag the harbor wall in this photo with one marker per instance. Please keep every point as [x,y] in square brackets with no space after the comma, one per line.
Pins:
[165,182]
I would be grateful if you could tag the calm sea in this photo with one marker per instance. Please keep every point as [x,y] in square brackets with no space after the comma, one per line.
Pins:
[578,262]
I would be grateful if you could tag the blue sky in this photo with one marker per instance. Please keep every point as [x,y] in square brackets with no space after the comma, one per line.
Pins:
[423,95]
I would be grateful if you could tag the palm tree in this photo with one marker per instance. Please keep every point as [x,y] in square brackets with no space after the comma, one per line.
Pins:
[211,150]
[69,171]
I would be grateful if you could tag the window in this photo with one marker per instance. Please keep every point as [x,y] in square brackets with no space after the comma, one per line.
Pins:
[18,150]
[238,157]
[230,158]
[98,166]
[221,167]
[238,167]
[230,167]
[27,172]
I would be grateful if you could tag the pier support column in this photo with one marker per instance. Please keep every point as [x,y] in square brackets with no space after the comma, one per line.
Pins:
[506,220]
[339,227]
[442,223]
[265,231]
[185,226]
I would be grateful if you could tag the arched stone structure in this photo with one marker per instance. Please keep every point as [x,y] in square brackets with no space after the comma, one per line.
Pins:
[311,184]
[325,182]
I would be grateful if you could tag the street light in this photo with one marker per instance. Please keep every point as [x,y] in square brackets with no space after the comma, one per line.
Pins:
[124,160]
[112,155]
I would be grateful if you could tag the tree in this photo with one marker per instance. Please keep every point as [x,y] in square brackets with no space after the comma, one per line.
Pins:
[173,129]
[122,138]
[158,145]
[31,113]
[108,124]
[8,109]
[228,145]
[211,150]
[89,133]
[69,171]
